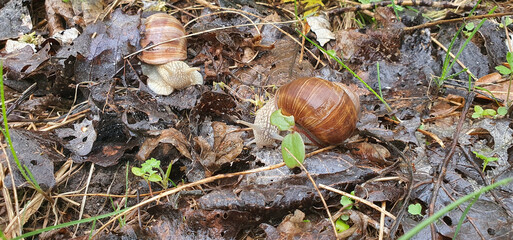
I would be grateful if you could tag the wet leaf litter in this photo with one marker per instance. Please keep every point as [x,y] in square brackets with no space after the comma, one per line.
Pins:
[95,113]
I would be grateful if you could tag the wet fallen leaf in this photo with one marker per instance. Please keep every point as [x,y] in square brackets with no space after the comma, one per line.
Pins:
[37,151]
[80,139]
[380,191]
[58,12]
[321,27]
[369,151]
[14,19]
[172,136]
[226,147]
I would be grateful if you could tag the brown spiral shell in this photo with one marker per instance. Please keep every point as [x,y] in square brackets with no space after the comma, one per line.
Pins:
[161,27]
[325,111]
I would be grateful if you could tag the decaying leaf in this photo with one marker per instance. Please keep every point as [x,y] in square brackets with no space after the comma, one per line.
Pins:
[170,135]
[14,19]
[321,27]
[380,191]
[495,83]
[82,137]
[58,12]
[36,151]
[227,146]
[502,135]
[369,151]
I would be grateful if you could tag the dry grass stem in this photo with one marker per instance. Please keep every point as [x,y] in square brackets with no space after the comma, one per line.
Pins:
[370,204]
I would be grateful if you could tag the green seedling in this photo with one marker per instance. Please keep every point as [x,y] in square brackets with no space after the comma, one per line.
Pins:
[148,171]
[292,146]
[344,201]
[469,27]
[479,112]
[347,203]
[485,159]
[507,21]
[415,209]
[341,225]
[505,70]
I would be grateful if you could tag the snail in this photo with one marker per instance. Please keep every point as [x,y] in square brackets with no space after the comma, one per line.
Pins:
[325,112]
[163,64]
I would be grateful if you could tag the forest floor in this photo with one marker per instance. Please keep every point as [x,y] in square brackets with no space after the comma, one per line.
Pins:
[100,152]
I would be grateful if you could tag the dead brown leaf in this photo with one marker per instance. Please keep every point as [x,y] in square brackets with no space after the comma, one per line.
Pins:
[172,136]
[227,146]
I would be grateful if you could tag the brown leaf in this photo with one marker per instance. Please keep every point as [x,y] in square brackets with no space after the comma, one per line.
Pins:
[492,82]
[56,12]
[447,106]
[369,151]
[172,136]
[227,142]
[228,145]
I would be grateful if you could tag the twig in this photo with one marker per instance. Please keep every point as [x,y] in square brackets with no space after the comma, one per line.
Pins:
[431,24]
[82,205]
[436,187]
[382,221]
[370,204]
[401,3]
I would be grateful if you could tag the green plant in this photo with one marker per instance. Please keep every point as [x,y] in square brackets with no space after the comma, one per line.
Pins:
[463,216]
[469,27]
[448,64]
[348,204]
[506,21]
[345,201]
[368,1]
[72,223]
[148,171]
[451,206]
[292,141]
[479,112]
[341,225]
[415,209]
[485,159]
[505,70]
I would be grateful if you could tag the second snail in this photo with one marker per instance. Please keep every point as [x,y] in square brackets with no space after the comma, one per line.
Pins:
[163,64]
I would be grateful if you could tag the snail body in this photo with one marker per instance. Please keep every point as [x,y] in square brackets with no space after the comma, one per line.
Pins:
[163,64]
[325,112]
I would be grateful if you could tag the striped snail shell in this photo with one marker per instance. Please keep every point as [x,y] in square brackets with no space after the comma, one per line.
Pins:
[325,112]
[161,27]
